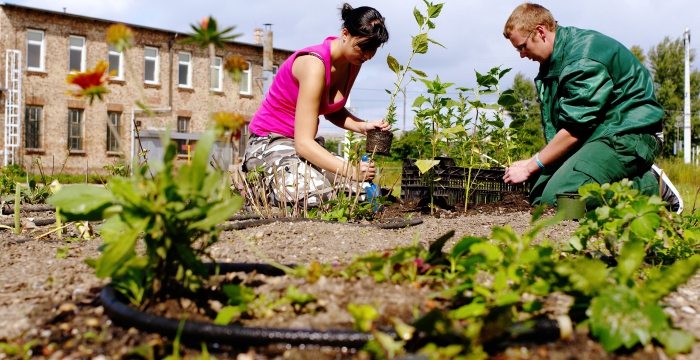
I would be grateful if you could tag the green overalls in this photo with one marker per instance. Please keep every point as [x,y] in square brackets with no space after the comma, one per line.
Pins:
[598,90]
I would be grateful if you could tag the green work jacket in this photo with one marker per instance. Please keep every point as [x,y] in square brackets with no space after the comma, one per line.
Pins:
[594,87]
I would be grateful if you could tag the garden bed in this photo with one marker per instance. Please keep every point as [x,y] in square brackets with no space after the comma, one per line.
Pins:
[57,303]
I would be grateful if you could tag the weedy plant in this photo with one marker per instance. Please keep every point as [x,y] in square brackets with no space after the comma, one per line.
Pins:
[176,211]
[623,215]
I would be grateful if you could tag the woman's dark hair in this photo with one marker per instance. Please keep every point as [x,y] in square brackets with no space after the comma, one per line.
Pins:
[367,23]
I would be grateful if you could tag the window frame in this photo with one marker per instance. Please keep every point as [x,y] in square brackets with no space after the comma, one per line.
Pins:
[80,137]
[112,142]
[156,65]
[42,50]
[189,70]
[219,68]
[36,137]
[183,130]
[83,50]
[248,75]
[120,68]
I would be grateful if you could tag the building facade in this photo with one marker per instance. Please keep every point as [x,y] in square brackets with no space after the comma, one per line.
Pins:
[44,124]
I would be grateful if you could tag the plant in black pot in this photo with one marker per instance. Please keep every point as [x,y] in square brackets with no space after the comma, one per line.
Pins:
[379,142]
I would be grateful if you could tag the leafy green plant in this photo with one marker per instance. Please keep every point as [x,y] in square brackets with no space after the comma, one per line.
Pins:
[23,351]
[624,215]
[62,253]
[419,45]
[177,213]
[624,309]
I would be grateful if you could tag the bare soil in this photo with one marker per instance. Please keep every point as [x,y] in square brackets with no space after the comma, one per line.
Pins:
[52,303]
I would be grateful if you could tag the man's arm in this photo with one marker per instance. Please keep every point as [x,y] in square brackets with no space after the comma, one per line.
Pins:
[586,87]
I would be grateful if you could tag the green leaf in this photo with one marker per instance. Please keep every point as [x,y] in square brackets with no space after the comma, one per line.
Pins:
[661,282]
[437,43]
[364,315]
[676,341]
[82,202]
[238,294]
[435,248]
[463,245]
[298,297]
[420,100]
[420,43]
[507,100]
[219,213]
[418,72]
[645,226]
[425,165]
[507,298]
[117,253]
[631,257]
[469,311]
[393,64]
[420,19]
[434,11]
[585,275]
[618,319]
[503,72]
[227,314]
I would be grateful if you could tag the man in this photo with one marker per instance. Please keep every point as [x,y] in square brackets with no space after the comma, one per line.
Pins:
[599,113]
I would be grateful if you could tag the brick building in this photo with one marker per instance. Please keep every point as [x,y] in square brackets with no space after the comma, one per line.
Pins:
[42,122]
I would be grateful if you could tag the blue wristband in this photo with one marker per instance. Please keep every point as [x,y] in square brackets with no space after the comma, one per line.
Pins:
[537,158]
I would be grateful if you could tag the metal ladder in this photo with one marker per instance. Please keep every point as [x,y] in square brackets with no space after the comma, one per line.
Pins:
[13,102]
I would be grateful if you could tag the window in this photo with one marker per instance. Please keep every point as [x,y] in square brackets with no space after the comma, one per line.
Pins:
[32,131]
[114,131]
[246,81]
[216,73]
[151,65]
[76,54]
[275,69]
[35,50]
[183,126]
[75,129]
[116,63]
[184,70]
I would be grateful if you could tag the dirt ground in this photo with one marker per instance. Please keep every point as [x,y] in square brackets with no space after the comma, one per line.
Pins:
[47,298]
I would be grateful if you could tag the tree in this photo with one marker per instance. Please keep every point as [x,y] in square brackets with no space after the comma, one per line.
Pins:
[667,65]
[639,53]
[525,115]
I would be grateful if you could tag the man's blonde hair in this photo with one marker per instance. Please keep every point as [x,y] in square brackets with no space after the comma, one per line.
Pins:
[526,17]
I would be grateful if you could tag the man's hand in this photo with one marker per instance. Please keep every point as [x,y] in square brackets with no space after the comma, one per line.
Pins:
[517,173]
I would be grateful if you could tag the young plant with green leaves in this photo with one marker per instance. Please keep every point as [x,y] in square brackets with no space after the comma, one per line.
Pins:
[622,214]
[176,212]
[419,45]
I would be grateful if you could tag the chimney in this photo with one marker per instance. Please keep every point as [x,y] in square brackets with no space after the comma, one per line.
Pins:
[257,36]
[267,48]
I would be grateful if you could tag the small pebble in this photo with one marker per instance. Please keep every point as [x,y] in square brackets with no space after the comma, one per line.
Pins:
[66,307]
[45,333]
[64,327]
[688,310]
[92,322]
[99,311]
[259,235]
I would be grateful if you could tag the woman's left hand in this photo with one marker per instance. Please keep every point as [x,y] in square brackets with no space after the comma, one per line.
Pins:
[376,124]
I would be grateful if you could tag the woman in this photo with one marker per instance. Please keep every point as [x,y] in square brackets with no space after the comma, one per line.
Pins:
[314,81]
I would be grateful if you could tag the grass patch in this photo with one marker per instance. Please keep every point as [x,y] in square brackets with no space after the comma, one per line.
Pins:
[686,178]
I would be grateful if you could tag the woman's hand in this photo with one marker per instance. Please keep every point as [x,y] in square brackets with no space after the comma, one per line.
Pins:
[375,124]
[367,172]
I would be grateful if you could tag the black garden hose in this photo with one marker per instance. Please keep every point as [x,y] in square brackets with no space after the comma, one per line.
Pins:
[390,225]
[37,222]
[122,313]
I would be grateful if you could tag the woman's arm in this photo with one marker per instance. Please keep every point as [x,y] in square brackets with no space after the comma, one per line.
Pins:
[346,120]
[311,74]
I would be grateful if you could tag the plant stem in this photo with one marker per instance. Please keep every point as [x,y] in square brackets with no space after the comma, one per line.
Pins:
[17,200]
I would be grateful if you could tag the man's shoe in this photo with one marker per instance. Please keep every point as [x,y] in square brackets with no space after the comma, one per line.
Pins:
[669,193]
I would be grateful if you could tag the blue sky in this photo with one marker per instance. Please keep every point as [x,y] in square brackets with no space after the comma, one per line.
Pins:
[471,31]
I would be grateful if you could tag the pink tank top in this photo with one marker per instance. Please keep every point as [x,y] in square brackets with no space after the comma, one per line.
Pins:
[276,114]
